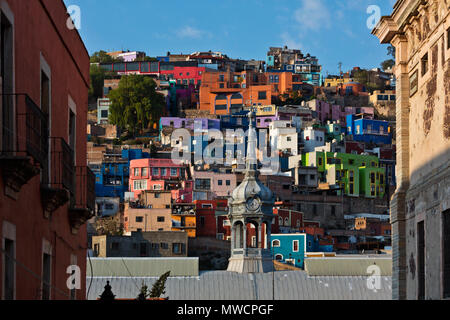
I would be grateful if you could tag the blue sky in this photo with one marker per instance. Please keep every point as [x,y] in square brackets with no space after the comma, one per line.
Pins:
[333,30]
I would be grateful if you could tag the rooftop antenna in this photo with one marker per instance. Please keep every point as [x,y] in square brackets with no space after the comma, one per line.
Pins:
[340,69]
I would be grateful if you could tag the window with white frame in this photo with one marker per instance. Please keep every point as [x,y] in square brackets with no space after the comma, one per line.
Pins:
[295,245]
[140,185]
[173,172]
[276,243]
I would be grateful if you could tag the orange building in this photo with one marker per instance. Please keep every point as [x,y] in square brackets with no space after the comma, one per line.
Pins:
[285,83]
[223,91]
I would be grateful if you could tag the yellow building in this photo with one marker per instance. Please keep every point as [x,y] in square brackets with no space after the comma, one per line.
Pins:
[184,218]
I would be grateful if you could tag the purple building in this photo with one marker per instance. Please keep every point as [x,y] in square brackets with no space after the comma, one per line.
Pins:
[330,112]
[177,123]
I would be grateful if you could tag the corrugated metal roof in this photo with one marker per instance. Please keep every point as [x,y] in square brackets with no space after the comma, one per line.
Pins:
[223,285]
[142,267]
[347,266]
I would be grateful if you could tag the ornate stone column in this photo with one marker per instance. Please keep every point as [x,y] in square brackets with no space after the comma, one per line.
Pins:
[398,202]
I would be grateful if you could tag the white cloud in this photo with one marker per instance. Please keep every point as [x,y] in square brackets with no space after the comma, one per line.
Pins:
[290,41]
[313,15]
[191,32]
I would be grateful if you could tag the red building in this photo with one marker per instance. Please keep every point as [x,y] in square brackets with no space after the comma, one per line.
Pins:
[46,191]
[209,221]
[184,75]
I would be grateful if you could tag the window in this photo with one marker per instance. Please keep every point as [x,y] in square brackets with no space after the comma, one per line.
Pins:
[137,172]
[139,219]
[163,172]
[276,243]
[446,252]
[9,272]
[157,195]
[286,221]
[221,78]
[140,185]
[155,171]
[262,95]
[295,245]
[173,172]
[160,219]
[289,139]
[279,257]
[424,64]
[372,177]
[280,221]
[203,184]
[143,249]
[421,260]
[228,182]
[164,245]
[157,187]
[46,276]
[219,182]
[176,248]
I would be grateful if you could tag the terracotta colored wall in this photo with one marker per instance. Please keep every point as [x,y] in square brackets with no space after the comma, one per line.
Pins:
[40,29]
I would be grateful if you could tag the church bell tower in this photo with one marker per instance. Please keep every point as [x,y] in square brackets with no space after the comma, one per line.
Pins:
[251,214]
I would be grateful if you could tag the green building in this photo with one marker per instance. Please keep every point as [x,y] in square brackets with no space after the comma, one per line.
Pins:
[357,175]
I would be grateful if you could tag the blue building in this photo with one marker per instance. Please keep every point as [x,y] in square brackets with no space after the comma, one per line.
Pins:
[111,178]
[368,130]
[291,247]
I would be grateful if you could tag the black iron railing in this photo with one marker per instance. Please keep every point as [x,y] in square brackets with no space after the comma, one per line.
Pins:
[85,189]
[61,165]
[24,128]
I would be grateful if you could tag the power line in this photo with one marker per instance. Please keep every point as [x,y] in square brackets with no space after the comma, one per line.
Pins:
[34,274]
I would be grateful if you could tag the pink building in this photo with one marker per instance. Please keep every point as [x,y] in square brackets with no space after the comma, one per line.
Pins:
[209,185]
[160,174]
[330,112]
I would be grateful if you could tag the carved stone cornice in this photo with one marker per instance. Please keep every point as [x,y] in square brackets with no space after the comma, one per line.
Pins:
[17,171]
[78,217]
[52,199]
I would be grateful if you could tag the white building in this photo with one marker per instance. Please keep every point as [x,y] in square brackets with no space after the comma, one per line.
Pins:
[284,137]
[312,138]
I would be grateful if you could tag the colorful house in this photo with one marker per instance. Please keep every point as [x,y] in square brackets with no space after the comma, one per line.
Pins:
[354,174]
[160,174]
[369,130]
[292,248]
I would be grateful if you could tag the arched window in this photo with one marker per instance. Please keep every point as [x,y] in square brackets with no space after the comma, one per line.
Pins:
[298,223]
[221,97]
[276,243]
[236,96]
[280,221]
[279,257]
[286,221]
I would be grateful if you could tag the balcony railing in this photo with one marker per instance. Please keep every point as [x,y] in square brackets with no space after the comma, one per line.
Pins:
[61,165]
[25,131]
[85,189]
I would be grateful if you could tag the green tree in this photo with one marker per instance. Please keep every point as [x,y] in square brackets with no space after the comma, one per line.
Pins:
[143,295]
[387,64]
[97,81]
[135,104]
[159,286]
[102,57]
[391,51]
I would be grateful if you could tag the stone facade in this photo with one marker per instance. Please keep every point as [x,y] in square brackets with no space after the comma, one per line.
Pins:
[419,30]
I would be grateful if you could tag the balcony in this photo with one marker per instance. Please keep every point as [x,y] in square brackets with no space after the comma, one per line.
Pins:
[23,141]
[58,184]
[82,206]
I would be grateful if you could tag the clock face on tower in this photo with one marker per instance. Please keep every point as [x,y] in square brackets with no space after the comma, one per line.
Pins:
[253,204]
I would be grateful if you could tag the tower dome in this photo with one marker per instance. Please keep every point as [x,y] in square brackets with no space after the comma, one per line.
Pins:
[251,203]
